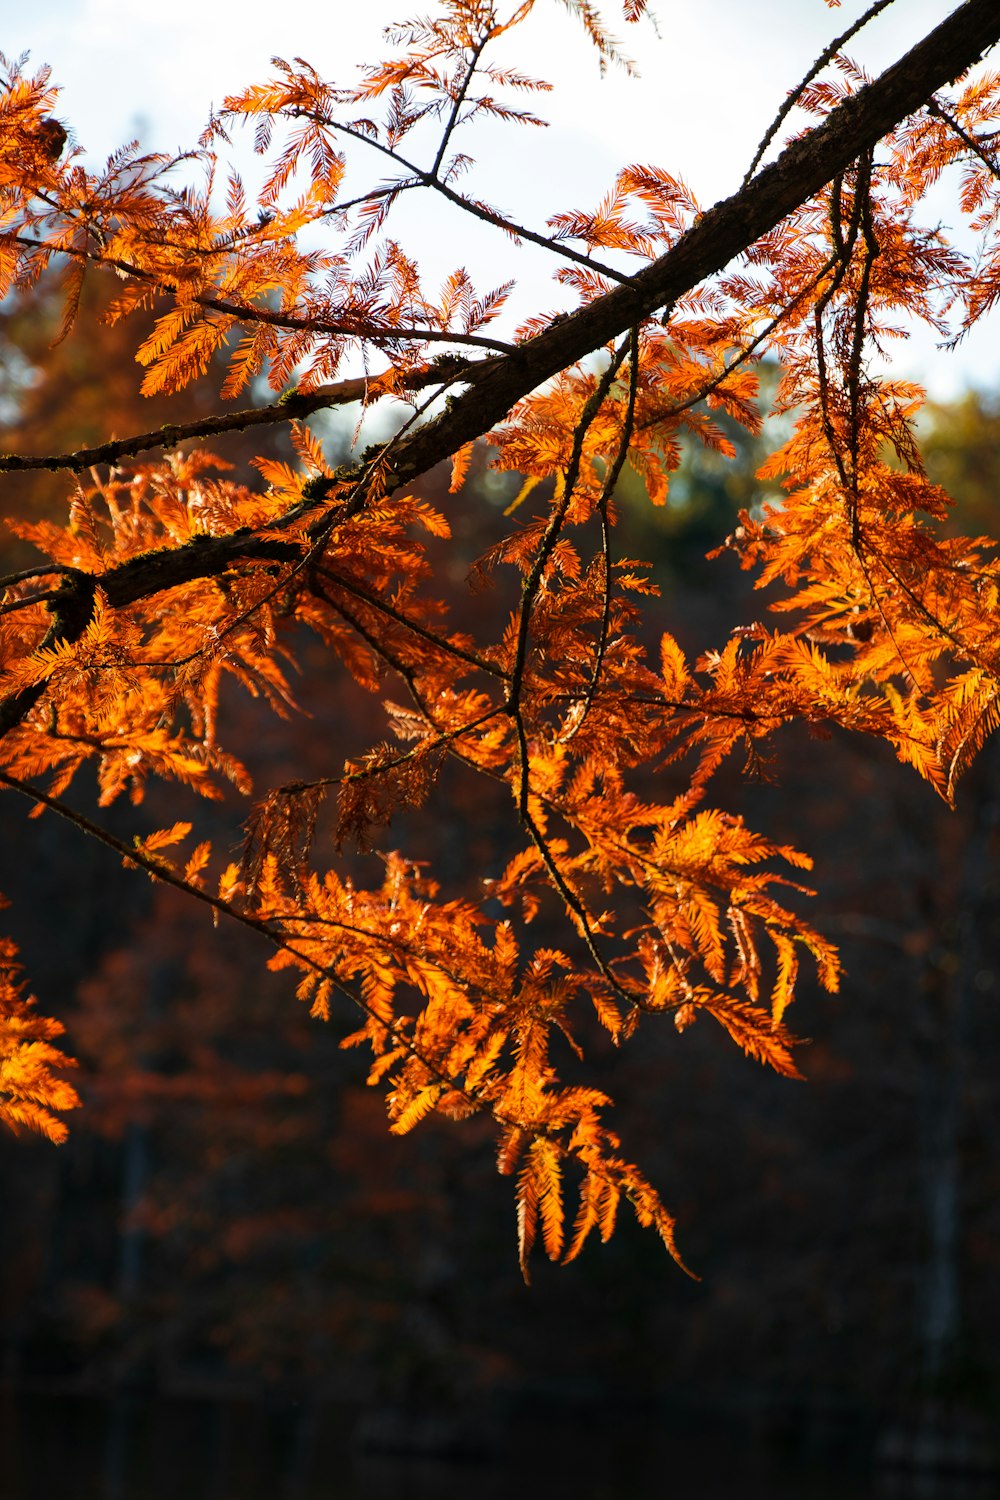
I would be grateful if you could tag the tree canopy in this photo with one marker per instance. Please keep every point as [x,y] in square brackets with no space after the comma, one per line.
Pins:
[626,896]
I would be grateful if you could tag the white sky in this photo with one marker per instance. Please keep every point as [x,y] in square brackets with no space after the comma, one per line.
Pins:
[712,75]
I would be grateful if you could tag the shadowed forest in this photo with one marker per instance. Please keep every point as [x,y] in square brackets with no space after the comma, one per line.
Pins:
[230,1278]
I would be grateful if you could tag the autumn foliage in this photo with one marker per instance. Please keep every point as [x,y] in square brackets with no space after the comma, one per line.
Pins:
[170,574]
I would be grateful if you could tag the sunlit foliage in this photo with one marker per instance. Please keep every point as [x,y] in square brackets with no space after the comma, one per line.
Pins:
[169,575]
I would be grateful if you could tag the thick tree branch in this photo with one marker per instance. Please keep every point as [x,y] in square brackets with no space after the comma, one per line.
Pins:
[150,573]
[721,234]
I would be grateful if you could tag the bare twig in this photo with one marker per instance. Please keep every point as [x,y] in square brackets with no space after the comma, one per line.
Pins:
[793,98]
[938,110]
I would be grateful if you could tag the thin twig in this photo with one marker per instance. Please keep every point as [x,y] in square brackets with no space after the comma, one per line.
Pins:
[607,490]
[934,108]
[161,870]
[793,98]
[442,739]
[746,353]
[16,604]
[347,327]
[458,101]
[422,178]
[531,585]
[293,406]
[440,643]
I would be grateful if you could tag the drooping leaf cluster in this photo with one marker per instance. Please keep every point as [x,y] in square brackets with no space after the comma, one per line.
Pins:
[171,575]
[33,1091]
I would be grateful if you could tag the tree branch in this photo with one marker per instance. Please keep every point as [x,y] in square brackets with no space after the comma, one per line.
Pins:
[293,406]
[72,605]
[721,234]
